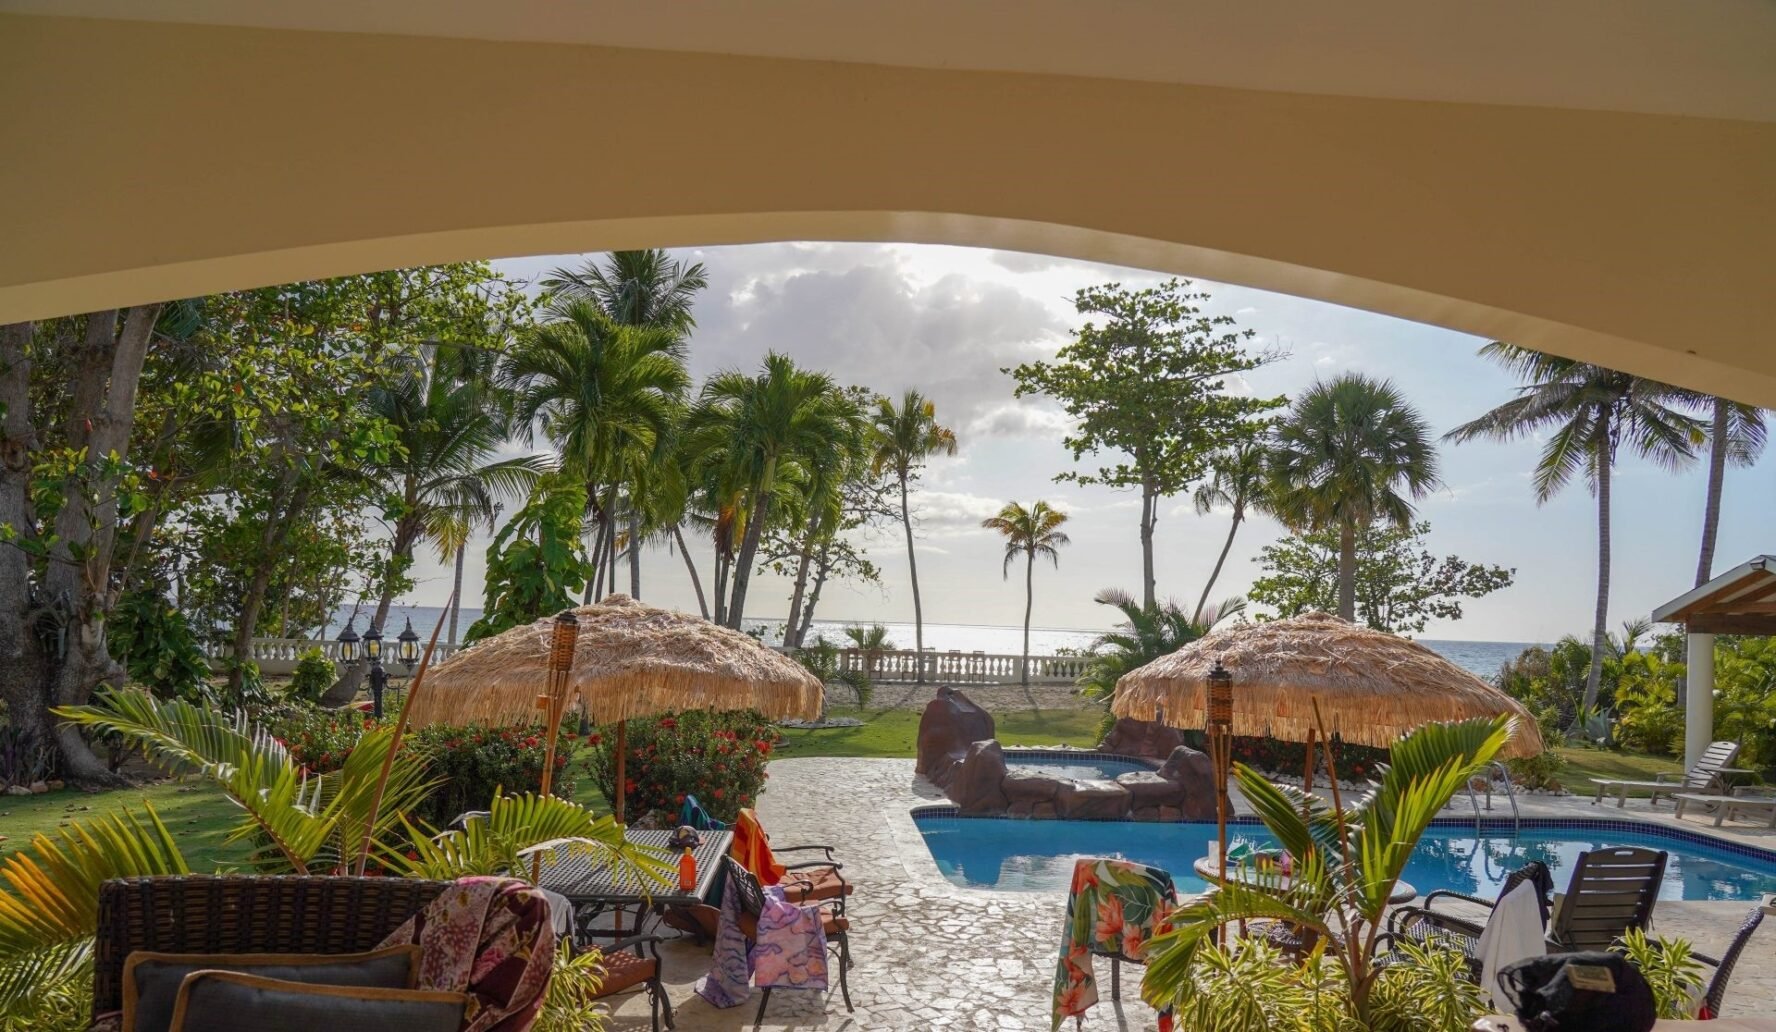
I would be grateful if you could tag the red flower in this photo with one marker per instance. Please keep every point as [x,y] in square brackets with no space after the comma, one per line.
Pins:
[717,793]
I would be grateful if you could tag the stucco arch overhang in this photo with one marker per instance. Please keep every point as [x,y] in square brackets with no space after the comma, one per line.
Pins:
[152,160]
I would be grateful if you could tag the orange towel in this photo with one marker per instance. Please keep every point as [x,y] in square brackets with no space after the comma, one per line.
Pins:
[752,849]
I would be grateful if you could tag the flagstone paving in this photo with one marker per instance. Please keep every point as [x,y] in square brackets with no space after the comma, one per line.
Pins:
[932,956]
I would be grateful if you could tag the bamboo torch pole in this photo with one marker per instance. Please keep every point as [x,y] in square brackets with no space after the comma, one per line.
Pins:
[561,658]
[1219,725]
[388,760]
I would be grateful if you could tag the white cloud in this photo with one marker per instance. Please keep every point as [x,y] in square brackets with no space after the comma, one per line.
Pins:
[947,513]
[1020,419]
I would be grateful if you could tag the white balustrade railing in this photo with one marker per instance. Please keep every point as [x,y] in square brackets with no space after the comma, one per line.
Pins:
[901,666]
[278,656]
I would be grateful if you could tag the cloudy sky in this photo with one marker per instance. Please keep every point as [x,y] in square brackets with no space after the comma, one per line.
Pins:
[946,320]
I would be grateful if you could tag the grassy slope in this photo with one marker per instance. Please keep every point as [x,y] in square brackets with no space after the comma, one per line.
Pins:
[894,733]
[1580,765]
[197,814]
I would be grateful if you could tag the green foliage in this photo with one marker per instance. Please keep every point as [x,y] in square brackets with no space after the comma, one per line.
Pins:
[299,822]
[314,674]
[513,826]
[154,642]
[537,563]
[472,763]
[717,757]
[571,1003]
[1647,715]
[1745,702]
[1146,633]
[1673,973]
[1541,772]
[821,658]
[1400,585]
[319,740]
[1346,862]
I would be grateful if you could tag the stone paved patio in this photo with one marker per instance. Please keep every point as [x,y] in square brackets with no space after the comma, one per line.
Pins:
[933,956]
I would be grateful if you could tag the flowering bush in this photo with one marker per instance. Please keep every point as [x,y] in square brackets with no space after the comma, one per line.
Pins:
[469,762]
[717,757]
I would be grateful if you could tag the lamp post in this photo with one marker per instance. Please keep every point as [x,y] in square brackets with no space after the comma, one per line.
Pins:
[348,642]
[378,676]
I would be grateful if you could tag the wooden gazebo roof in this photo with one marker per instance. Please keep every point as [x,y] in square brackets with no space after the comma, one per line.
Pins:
[1740,601]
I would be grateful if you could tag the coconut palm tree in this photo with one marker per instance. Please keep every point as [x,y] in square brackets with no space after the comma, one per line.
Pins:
[1339,461]
[1236,480]
[450,423]
[906,436]
[1736,436]
[607,395]
[873,642]
[1588,412]
[1145,634]
[757,433]
[635,288]
[1029,533]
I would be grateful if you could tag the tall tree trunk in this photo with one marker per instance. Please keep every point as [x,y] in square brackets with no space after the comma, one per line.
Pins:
[1600,621]
[722,564]
[24,667]
[822,566]
[1717,475]
[906,521]
[634,551]
[1215,574]
[1029,605]
[755,530]
[791,629]
[456,591]
[691,568]
[595,583]
[610,560]
[1347,571]
[1149,516]
[279,521]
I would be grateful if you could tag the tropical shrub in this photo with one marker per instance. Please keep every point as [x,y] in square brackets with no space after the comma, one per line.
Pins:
[1539,772]
[821,658]
[1745,698]
[1669,967]
[319,740]
[25,756]
[537,562]
[1145,634]
[314,674]
[718,757]
[154,642]
[473,762]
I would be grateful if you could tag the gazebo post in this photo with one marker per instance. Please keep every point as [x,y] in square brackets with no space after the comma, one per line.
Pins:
[1699,696]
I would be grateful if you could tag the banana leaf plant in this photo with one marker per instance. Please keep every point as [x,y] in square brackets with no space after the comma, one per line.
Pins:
[299,822]
[1347,860]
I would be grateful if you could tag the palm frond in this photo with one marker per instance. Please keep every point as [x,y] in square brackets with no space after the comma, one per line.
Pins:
[52,897]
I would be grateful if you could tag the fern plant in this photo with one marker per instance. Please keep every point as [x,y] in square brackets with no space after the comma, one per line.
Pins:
[513,829]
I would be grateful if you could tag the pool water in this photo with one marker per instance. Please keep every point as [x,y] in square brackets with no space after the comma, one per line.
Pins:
[1079,766]
[1037,856]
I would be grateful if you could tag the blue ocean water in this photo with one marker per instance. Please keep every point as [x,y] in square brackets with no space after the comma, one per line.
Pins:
[1482,658]
[1038,856]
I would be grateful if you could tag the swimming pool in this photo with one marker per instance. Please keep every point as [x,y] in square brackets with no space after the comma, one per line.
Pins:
[1037,856]
[1079,765]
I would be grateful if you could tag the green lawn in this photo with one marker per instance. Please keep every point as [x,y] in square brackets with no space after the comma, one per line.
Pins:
[1581,764]
[895,733]
[197,814]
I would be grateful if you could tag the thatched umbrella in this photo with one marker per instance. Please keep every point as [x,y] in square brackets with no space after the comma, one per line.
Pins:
[1372,687]
[630,660]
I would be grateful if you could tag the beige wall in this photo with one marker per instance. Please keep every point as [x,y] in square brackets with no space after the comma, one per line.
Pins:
[139,162]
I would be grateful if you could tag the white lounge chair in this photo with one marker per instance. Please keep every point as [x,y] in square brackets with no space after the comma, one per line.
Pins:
[1755,802]
[1704,777]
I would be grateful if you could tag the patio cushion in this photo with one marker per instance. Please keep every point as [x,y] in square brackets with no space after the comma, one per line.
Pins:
[622,970]
[151,980]
[814,884]
[229,1001]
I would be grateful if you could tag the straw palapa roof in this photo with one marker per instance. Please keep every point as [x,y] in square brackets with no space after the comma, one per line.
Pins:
[631,660]
[1372,686]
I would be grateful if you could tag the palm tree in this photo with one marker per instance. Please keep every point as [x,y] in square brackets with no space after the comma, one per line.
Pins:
[905,437]
[1591,412]
[450,424]
[635,288]
[1145,634]
[755,433]
[1236,480]
[609,397]
[1736,436]
[1339,460]
[872,641]
[1029,533]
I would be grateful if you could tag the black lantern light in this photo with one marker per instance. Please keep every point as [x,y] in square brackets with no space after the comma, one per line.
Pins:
[348,642]
[407,651]
[378,676]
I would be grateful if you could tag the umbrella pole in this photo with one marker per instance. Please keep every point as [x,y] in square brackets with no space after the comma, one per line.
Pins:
[622,754]
[388,761]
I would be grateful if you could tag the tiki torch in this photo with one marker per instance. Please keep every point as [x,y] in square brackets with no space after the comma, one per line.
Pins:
[561,658]
[1218,727]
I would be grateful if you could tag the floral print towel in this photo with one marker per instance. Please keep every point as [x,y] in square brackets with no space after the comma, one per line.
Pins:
[1114,908]
[790,952]
[490,938]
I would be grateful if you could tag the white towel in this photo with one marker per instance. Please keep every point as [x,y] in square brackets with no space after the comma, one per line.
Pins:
[1513,933]
[561,912]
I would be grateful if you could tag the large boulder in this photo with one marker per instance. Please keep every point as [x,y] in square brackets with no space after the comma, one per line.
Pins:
[977,784]
[1191,771]
[1147,739]
[1031,786]
[1148,790]
[1092,800]
[951,723]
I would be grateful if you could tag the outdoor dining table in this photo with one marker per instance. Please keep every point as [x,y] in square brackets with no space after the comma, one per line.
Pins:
[595,886]
[1209,870]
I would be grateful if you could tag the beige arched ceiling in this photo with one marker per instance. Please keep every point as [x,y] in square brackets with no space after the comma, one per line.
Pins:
[1595,179]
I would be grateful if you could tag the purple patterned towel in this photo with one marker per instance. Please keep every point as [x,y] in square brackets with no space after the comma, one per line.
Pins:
[790,952]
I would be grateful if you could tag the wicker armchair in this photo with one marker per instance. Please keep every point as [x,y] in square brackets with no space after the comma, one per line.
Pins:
[237,914]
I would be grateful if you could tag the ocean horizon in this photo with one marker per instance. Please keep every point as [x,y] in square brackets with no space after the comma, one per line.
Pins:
[1481,658]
